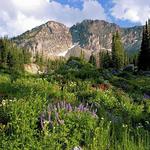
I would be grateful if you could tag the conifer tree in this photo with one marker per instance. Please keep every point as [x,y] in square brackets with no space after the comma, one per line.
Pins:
[104,59]
[126,59]
[3,52]
[11,57]
[144,54]
[92,60]
[10,62]
[117,51]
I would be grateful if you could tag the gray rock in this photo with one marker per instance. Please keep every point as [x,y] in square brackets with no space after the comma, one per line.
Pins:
[54,39]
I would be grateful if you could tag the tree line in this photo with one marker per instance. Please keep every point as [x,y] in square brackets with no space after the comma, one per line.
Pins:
[118,57]
[12,58]
[144,54]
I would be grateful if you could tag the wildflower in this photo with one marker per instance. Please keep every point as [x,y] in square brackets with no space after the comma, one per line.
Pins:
[3,102]
[102,118]
[146,96]
[124,125]
[58,106]
[147,122]
[61,122]
[49,116]
[69,107]
[46,118]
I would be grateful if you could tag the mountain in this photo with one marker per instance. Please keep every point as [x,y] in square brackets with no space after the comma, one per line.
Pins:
[96,35]
[50,39]
[54,39]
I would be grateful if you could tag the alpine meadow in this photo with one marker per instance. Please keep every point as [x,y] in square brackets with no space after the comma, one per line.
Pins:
[70,79]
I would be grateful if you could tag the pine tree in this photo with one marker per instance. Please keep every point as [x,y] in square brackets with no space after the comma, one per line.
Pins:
[10,62]
[104,59]
[26,56]
[117,51]
[126,59]
[144,54]
[92,60]
[11,57]
[3,52]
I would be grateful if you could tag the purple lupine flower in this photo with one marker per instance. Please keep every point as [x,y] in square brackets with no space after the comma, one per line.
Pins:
[66,107]
[94,114]
[80,107]
[61,104]
[49,117]
[64,104]
[57,115]
[58,106]
[85,109]
[69,107]
[146,96]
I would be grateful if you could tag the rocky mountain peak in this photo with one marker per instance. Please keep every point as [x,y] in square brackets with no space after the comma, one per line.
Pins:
[55,39]
[49,39]
[97,35]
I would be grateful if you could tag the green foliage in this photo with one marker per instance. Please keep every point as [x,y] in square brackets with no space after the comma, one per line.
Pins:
[105,59]
[76,68]
[73,125]
[39,59]
[144,55]
[92,60]
[11,57]
[117,51]
[120,122]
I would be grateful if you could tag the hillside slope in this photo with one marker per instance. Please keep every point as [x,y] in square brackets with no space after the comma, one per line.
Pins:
[55,39]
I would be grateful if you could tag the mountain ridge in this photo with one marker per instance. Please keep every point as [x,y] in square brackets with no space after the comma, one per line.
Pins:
[54,38]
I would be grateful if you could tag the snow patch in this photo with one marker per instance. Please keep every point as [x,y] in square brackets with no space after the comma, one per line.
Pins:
[65,52]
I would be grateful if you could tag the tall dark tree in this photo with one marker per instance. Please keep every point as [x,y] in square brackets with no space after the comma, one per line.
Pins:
[10,62]
[104,59]
[117,51]
[144,54]
[92,60]
[3,52]
[26,56]
[126,58]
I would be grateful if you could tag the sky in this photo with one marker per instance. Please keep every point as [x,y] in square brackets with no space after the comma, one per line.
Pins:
[18,16]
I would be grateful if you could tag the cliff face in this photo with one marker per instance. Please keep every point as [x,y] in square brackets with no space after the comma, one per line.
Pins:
[54,39]
[96,35]
[50,39]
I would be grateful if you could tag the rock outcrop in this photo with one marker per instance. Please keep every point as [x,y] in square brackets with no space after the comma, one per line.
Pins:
[97,35]
[49,39]
[55,40]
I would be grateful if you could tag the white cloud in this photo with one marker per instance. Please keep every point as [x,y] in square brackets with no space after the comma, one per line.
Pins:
[132,10]
[17,16]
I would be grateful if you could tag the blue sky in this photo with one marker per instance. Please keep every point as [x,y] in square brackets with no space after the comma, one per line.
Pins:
[107,5]
[18,16]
